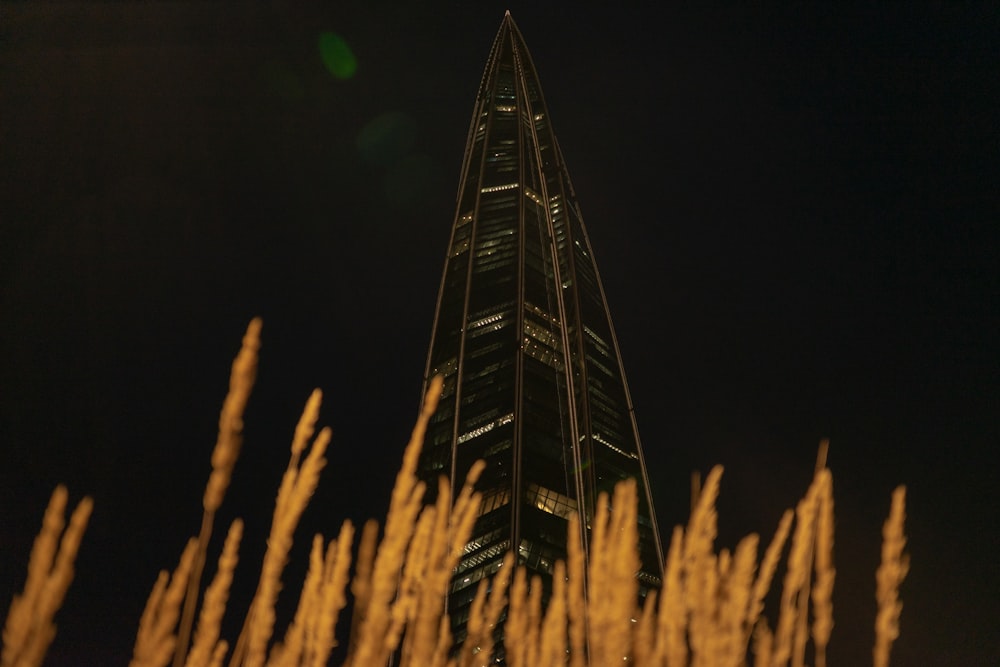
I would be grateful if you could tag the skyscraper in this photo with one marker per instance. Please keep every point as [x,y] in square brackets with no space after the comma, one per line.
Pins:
[534,382]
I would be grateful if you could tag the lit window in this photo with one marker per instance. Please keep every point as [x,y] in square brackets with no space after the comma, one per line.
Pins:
[530,307]
[498,188]
[542,335]
[486,320]
[459,248]
[600,439]
[533,196]
[485,428]
[493,500]
[550,501]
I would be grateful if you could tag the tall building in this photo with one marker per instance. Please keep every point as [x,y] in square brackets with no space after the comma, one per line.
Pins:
[534,382]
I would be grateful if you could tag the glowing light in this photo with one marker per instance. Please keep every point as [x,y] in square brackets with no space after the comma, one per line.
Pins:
[337,55]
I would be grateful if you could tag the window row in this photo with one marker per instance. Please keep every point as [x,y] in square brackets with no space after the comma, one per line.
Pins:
[486,428]
[599,438]
[472,577]
[542,334]
[492,552]
[544,354]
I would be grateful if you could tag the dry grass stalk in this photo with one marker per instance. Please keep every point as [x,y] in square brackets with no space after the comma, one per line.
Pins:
[424,627]
[598,585]
[296,489]
[370,647]
[206,636]
[475,630]
[891,572]
[734,603]
[576,592]
[230,438]
[799,564]
[763,645]
[533,634]
[706,614]
[613,587]
[822,593]
[552,648]
[219,655]
[700,570]
[644,633]
[361,584]
[29,629]
[289,651]
[671,644]
[415,571]
[765,574]
[20,623]
[310,637]
[426,644]
[336,568]
[484,614]
[156,642]
[228,443]
[516,628]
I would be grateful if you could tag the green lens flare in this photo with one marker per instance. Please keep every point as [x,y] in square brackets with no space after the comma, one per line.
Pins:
[337,56]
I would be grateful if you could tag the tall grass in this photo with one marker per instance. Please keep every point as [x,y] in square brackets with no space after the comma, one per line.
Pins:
[709,612]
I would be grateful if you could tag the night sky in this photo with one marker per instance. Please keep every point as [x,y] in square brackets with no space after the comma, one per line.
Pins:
[794,210]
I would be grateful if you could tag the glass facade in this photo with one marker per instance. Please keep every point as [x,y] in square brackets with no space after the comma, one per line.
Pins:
[534,383]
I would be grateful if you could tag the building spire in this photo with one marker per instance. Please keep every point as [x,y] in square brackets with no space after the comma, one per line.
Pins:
[533,379]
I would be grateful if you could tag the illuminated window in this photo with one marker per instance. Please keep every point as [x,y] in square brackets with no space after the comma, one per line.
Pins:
[542,335]
[530,307]
[599,438]
[543,353]
[494,499]
[533,196]
[549,501]
[498,188]
[481,556]
[496,317]
[486,428]
[482,540]
[536,556]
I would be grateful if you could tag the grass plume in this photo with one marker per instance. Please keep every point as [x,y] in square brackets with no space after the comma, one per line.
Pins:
[30,628]
[710,611]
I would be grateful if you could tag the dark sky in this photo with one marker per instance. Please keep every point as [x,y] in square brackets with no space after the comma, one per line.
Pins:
[794,210]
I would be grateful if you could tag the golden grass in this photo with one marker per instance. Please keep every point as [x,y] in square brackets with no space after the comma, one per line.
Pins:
[29,629]
[709,612]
